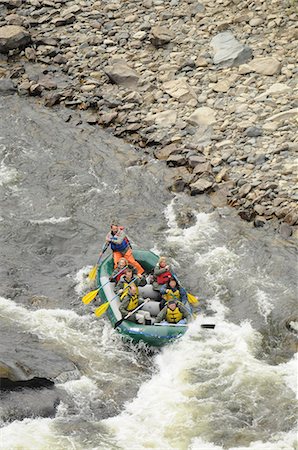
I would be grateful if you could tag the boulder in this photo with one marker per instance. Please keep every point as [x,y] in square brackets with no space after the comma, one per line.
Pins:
[228,51]
[7,87]
[120,73]
[164,152]
[13,37]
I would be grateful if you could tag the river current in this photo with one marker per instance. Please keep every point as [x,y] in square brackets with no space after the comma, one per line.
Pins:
[234,387]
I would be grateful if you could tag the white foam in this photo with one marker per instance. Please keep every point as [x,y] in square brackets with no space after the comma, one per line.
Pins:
[33,434]
[196,380]
[81,280]
[7,174]
[52,220]
[265,304]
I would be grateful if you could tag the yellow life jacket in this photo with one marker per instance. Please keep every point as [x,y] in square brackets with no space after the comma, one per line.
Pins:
[126,288]
[174,316]
[133,302]
[172,295]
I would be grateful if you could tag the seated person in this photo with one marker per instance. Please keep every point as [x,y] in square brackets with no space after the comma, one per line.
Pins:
[172,290]
[161,274]
[121,266]
[127,278]
[174,312]
[129,301]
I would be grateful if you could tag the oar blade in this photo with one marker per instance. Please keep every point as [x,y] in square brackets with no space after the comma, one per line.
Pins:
[101,309]
[89,297]
[119,322]
[92,274]
[192,299]
[208,325]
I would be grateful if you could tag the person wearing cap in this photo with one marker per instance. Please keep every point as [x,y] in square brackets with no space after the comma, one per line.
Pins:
[161,274]
[121,247]
[174,312]
[172,291]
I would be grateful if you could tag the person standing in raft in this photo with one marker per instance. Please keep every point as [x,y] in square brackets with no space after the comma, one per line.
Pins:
[121,247]
[174,312]
[161,274]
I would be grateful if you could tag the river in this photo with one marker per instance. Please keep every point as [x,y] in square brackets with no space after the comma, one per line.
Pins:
[61,183]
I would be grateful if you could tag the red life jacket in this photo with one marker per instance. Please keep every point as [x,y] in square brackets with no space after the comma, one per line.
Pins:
[163,278]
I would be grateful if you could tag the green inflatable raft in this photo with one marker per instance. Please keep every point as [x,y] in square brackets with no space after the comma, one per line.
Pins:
[152,335]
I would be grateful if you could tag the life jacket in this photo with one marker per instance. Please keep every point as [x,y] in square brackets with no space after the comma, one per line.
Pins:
[163,278]
[172,294]
[174,316]
[126,287]
[123,247]
[133,302]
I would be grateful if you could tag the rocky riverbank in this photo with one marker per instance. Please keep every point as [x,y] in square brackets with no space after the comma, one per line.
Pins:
[208,87]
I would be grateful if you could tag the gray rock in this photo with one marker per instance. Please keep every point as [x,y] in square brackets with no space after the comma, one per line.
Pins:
[229,51]
[120,73]
[161,36]
[13,37]
[200,186]
[253,132]
[285,230]
[259,221]
[7,87]
[176,160]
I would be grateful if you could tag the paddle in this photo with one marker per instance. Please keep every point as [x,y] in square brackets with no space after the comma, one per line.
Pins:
[191,298]
[203,325]
[92,274]
[102,308]
[91,295]
[129,314]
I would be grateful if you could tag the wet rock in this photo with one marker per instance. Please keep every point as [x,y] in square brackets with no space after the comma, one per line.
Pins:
[13,37]
[228,51]
[285,230]
[259,221]
[247,214]
[7,87]
[160,36]
[52,99]
[120,73]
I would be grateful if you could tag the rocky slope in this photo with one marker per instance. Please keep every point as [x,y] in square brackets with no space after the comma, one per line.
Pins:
[209,87]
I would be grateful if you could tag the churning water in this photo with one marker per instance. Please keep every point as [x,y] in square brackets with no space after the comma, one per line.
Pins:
[233,387]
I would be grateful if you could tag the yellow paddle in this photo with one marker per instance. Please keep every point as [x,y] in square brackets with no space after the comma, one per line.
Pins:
[91,295]
[102,308]
[192,299]
[93,271]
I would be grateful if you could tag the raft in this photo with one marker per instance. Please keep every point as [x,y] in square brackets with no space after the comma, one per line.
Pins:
[152,335]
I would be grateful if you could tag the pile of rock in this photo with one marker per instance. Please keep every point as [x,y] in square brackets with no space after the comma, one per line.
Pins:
[210,86]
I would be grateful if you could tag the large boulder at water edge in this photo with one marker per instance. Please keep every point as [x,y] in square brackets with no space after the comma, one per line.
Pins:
[13,37]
